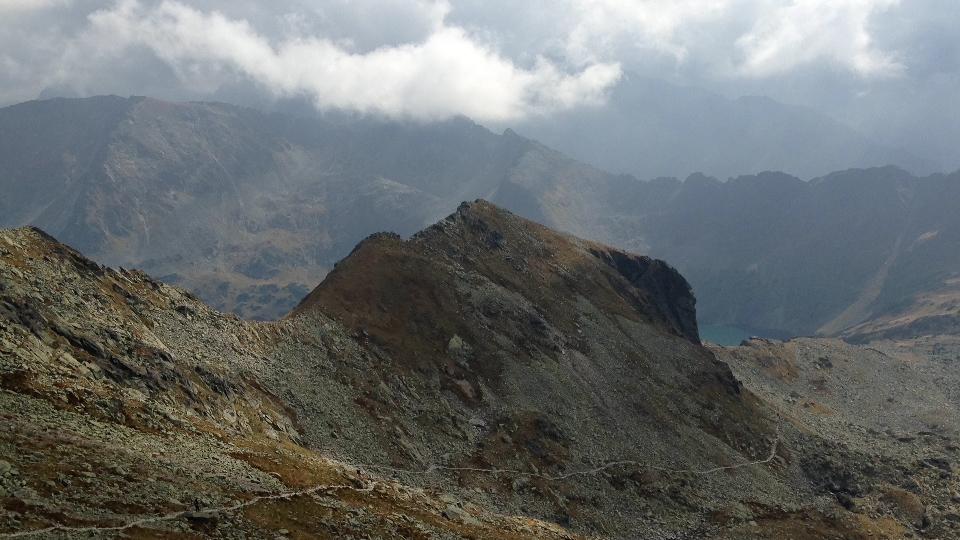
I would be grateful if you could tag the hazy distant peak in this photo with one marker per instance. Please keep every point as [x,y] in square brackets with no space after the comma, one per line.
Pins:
[699,179]
[867,174]
[651,128]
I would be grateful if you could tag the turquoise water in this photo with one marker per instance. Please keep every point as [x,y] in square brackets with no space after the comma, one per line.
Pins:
[723,335]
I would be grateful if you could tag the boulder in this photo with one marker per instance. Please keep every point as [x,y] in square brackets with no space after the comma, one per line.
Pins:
[455,513]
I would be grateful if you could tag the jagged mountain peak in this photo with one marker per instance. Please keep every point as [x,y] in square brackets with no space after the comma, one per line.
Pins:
[510,323]
[551,270]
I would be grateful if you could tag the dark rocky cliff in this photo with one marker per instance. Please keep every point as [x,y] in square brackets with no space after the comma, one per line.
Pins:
[485,238]
[671,297]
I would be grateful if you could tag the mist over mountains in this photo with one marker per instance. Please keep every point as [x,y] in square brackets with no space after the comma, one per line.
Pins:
[650,128]
[250,210]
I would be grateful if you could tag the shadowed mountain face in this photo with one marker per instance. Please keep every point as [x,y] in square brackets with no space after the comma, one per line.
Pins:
[772,252]
[250,210]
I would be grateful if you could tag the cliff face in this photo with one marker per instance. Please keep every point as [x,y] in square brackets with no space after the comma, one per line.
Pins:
[670,296]
[484,239]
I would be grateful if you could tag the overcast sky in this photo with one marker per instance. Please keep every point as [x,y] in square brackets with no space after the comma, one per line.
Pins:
[889,68]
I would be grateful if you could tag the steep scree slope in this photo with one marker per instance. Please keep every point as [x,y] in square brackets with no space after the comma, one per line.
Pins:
[887,416]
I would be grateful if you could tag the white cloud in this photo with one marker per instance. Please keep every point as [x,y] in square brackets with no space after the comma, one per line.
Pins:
[644,24]
[806,31]
[490,59]
[448,73]
[733,38]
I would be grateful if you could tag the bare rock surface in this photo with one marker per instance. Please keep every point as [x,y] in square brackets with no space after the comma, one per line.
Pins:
[886,416]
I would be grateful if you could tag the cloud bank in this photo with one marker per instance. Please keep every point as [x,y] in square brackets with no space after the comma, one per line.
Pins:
[492,60]
[445,74]
[806,31]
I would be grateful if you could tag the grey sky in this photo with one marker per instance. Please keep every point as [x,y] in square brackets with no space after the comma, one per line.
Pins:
[888,68]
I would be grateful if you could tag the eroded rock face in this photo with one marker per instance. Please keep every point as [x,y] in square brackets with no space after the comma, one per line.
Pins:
[671,297]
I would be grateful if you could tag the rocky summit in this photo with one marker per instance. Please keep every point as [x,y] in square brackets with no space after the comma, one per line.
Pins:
[486,378]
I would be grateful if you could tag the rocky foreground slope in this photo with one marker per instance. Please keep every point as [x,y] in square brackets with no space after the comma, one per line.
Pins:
[488,378]
[887,415]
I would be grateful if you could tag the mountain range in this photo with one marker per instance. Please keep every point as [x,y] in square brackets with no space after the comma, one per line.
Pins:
[250,210]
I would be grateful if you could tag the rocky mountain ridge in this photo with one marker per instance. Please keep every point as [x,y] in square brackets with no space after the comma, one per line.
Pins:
[487,378]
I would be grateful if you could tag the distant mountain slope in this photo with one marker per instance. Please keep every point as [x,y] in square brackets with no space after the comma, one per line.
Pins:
[250,210]
[650,128]
[247,209]
[773,253]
